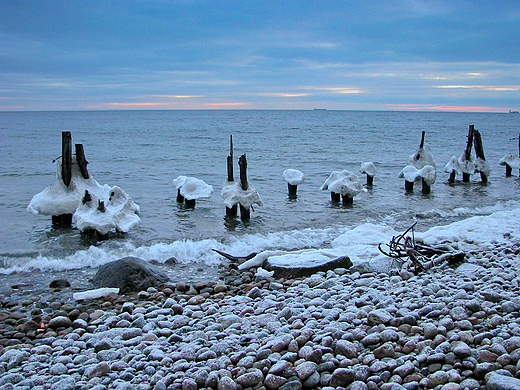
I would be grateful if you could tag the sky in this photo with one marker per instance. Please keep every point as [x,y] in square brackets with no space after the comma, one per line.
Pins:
[453,55]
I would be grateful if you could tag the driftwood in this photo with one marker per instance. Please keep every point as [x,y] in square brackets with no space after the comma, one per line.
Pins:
[237,259]
[422,257]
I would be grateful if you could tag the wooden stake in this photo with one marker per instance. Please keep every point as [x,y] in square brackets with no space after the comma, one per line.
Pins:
[467,155]
[452,177]
[370,180]
[242,163]
[479,151]
[408,186]
[335,197]
[231,212]
[292,189]
[347,200]
[82,162]
[180,198]
[425,187]
[66,157]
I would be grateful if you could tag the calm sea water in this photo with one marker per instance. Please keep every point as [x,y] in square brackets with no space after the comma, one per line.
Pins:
[143,151]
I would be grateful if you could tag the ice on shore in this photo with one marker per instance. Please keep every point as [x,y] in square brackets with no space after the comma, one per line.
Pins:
[121,212]
[94,294]
[344,183]
[510,159]
[368,168]
[192,188]
[233,194]
[293,176]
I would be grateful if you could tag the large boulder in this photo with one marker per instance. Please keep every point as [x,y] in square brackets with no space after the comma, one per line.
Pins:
[129,274]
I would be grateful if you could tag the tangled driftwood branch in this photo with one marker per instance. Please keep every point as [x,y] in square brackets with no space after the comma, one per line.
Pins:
[422,257]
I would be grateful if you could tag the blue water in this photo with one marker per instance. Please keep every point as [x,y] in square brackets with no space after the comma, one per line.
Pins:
[143,151]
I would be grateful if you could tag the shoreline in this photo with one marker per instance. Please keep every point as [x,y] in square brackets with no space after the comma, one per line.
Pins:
[445,328]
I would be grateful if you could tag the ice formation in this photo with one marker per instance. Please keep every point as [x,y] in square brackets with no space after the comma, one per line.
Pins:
[368,168]
[119,213]
[510,159]
[57,199]
[411,174]
[192,188]
[94,294]
[293,176]
[344,183]
[468,166]
[233,194]
[421,166]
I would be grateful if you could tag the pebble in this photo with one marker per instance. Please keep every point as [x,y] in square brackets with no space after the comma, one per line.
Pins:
[442,329]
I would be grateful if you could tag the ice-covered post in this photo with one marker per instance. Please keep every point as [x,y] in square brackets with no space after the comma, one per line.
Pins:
[293,177]
[233,210]
[82,162]
[369,169]
[479,151]
[467,154]
[242,163]
[66,175]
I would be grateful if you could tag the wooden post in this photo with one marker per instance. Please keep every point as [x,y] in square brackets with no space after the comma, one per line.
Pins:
[82,162]
[467,154]
[335,197]
[292,189]
[408,186]
[425,187]
[242,163]
[452,177]
[479,151]
[370,180]
[66,157]
[180,198]
[347,200]
[233,210]
[422,140]
[189,202]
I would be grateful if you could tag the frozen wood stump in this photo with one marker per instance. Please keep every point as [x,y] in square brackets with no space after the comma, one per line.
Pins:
[467,154]
[245,213]
[231,212]
[65,220]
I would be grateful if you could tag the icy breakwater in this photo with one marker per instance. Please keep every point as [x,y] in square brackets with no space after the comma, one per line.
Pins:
[443,329]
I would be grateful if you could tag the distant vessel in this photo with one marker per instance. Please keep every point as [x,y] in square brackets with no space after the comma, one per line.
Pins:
[511,112]
[320,109]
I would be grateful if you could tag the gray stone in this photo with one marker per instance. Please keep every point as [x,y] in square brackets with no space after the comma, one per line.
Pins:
[342,377]
[129,274]
[496,381]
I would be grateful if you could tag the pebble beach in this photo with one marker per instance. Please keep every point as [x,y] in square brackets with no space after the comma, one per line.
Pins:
[449,328]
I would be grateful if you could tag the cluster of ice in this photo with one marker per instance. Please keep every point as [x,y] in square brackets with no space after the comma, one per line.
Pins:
[511,160]
[233,194]
[120,212]
[293,176]
[94,294]
[368,168]
[469,166]
[411,174]
[344,183]
[192,188]
[421,166]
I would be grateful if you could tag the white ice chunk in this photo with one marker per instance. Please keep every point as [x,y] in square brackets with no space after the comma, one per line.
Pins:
[121,213]
[58,199]
[233,194]
[344,183]
[293,176]
[260,272]
[192,188]
[368,168]
[510,159]
[296,258]
[411,174]
[482,166]
[421,157]
[94,294]
[453,166]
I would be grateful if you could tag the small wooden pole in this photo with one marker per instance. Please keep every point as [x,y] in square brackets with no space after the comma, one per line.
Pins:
[452,177]
[82,162]
[231,212]
[245,213]
[189,202]
[479,151]
[292,190]
[347,200]
[467,154]
[421,145]
[408,186]
[66,157]
[425,187]
[180,198]
[370,180]
[335,197]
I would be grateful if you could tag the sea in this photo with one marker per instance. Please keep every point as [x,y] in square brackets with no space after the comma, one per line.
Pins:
[142,152]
